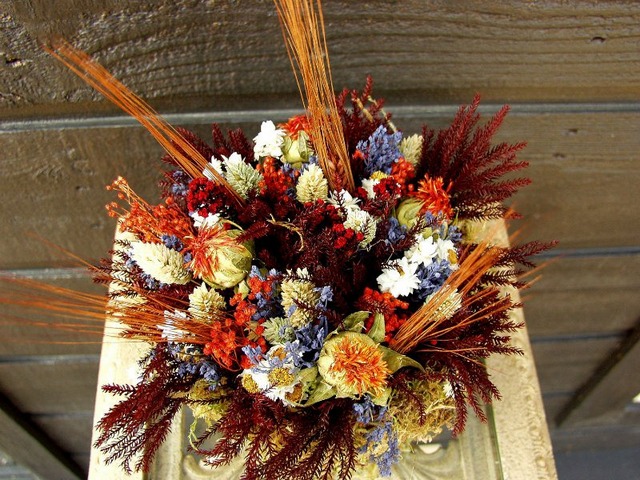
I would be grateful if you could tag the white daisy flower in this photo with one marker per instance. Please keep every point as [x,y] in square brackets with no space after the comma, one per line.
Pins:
[400,279]
[423,251]
[268,143]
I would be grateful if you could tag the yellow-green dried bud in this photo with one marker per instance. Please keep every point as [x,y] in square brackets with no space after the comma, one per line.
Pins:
[297,152]
[413,424]
[312,185]
[411,148]
[295,293]
[218,259]
[203,302]
[408,211]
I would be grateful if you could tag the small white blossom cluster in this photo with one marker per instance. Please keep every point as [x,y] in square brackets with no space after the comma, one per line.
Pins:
[269,142]
[400,277]
[356,219]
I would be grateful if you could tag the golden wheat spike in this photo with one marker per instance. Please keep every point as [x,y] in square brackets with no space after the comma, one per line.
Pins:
[303,30]
[95,75]
[425,321]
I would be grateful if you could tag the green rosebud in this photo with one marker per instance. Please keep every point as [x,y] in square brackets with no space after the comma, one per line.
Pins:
[297,152]
[408,211]
[219,259]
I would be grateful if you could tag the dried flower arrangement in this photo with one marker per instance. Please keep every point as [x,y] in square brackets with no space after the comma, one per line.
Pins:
[315,294]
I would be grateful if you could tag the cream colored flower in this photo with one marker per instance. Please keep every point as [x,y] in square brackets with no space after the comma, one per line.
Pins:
[411,148]
[203,302]
[295,293]
[160,262]
[361,222]
[242,177]
[312,185]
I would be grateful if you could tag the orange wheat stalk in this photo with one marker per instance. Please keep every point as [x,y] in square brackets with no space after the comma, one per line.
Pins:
[82,312]
[424,323]
[94,74]
[303,30]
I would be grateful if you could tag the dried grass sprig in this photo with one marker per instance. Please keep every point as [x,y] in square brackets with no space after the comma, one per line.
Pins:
[302,25]
[95,75]
[426,320]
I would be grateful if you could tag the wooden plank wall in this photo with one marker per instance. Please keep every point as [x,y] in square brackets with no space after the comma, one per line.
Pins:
[570,70]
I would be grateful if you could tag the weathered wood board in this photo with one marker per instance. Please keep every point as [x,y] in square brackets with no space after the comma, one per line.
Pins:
[186,53]
[60,175]
[57,387]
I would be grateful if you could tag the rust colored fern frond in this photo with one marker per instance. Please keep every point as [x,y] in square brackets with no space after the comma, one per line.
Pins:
[95,75]
[462,155]
[303,29]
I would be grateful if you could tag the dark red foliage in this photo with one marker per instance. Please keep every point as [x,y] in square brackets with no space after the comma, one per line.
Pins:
[457,351]
[361,118]
[236,142]
[133,429]
[462,155]
[284,444]
[195,141]
[514,262]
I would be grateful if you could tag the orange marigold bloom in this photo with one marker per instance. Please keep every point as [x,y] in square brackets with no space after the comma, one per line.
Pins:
[295,125]
[354,365]
[434,197]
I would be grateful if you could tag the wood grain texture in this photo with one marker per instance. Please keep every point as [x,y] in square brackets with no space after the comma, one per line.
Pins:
[610,389]
[71,431]
[50,388]
[565,366]
[584,296]
[589,312]
[55,180]
[29,446]
[191,53]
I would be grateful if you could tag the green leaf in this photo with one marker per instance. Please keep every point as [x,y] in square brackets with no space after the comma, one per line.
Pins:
[377,332]
[308,375]
[355,321]
[322,392]
[382,399]
[396,361]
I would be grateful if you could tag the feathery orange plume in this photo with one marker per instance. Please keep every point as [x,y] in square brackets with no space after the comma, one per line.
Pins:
[303,30]
[94,74]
